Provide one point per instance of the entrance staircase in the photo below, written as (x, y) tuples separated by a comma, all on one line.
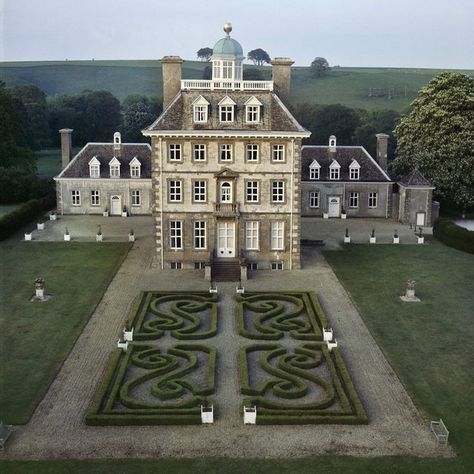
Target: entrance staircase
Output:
[(225, 269)]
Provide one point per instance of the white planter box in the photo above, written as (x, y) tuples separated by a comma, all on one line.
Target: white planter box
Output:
[(105, 213), (325, 215), (240, 290), (122, 345), (131, 237), (250, 415), (213, 289), (347, 240), (395, 240), (328, 334), (67, 237), (28, 236), (128, 335), (207, 414), (40, 225), (331, 345), (99, 237), (372, 240), (421, 240), (124, 214), (343, 216), (52, 217)]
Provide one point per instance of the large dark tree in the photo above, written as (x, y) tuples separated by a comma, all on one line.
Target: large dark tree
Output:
[(139, 111), (259, 57), (204, 54), (319, 67), (437, 136)]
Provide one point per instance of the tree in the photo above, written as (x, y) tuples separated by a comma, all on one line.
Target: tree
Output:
[(204, 54), (319, 67), (259, 57), (252, 74), (437, 137), (138, 112)]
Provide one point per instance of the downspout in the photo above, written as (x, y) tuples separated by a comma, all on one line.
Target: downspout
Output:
[(161, 204), (291, 200), (386, 202)]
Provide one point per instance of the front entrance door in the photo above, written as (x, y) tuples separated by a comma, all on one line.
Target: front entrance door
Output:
[(116, 206), (226, 239), (334, 209)]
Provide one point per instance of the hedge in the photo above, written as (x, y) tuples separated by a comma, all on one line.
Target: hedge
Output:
[(23, 215), (448, 232)]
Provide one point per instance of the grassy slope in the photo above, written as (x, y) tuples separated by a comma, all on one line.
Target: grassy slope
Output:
[(348, 86), (48, 161), (36, 337)]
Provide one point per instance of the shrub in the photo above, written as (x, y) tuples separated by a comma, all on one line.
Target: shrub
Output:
[(15, 220), (19, 186), (446, 231)]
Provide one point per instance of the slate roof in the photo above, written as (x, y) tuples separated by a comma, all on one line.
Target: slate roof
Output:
[(370, 171), (104, 152), (414, 178), (179, 115)]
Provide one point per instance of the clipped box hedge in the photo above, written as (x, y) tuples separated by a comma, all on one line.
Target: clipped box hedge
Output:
[(448, 232)]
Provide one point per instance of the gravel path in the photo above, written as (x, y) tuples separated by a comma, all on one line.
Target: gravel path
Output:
[(57, 428)]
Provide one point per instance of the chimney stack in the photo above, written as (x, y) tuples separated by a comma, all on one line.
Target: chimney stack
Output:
[(66, 146), (281, 76), (382, 147), (171, 68)]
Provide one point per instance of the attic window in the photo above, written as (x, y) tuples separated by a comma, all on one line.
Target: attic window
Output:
[(135, 168), (226, 109), (114, 168), (314, 170), (252, 110), (94, 168), (334, 170), (354, 170), (200, 110)]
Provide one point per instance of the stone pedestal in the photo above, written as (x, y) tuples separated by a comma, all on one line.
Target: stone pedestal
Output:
[(250, 415), (409, 296), (207, 414)]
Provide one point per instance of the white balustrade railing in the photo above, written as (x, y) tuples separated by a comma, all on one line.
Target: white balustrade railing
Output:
[(232, 85)]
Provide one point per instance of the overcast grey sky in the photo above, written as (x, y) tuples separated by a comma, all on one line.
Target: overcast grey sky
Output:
[(399, 33)]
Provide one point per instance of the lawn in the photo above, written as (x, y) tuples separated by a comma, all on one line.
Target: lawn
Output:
[(48, 161), (7, 208), (37, 337)]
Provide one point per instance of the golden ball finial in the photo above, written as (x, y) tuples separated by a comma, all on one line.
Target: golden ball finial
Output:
[(228, 27)]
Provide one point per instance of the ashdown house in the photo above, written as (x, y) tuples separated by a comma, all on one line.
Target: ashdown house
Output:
[(226, 164)]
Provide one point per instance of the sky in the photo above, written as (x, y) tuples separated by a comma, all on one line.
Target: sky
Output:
[(363, 33)]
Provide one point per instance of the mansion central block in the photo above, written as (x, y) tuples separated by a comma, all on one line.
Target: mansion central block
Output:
[(226, 167)]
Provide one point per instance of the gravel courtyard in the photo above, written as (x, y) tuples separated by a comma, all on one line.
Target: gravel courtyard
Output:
[(57, 428)]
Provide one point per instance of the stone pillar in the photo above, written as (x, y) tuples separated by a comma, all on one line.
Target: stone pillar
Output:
[(281, 76), (382, 148), (171, 68), (66, 146)]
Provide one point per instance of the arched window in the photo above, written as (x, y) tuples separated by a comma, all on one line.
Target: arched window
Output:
[(226, 192)]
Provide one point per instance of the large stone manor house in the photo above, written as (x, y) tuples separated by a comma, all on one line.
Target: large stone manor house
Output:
[(226, 177)]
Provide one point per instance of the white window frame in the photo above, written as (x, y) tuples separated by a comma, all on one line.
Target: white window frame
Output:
[(278, 153), (252, 113), (226, 113), (277, 235), (199, 190), (314, 199), (199, 152), (314, 173), (252, 191), (354, 173), (278, 191), (227, 69), (75, 197), (175, 190), (200, 235), (252, 235), (225, 150), (334, 174), (94, 171), (114, 170), (353, 199), (174, 152), (176, 265), (276, 266), (373, 200), (95, 197), (136, 197), (176, 235), (200, 113), (252, 152)]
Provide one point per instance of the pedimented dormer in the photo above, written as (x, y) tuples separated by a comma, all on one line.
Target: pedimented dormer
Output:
[(114, 168), (200, 110), (226, 109), (314, 170), (253, 109), (135, 168), (94, 168), (354, 170), (334, 170)]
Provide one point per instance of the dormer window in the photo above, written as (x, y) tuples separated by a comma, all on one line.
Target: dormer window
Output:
[(252, 110), (314, 170), (226, 109), (114, 167), (354, 170), (135, 168), (200, 110), (334, 170), (94, 168)]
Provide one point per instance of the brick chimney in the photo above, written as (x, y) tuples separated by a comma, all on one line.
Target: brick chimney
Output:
[(382, 147), (171, 68), (66, 146), (281, 76)]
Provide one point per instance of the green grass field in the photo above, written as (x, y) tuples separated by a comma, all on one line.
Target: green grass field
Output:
[(35, 338), (345, 85), (7, 208), (48, 161)]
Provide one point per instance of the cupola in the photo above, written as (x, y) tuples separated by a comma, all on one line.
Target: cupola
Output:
[(227, 57)]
